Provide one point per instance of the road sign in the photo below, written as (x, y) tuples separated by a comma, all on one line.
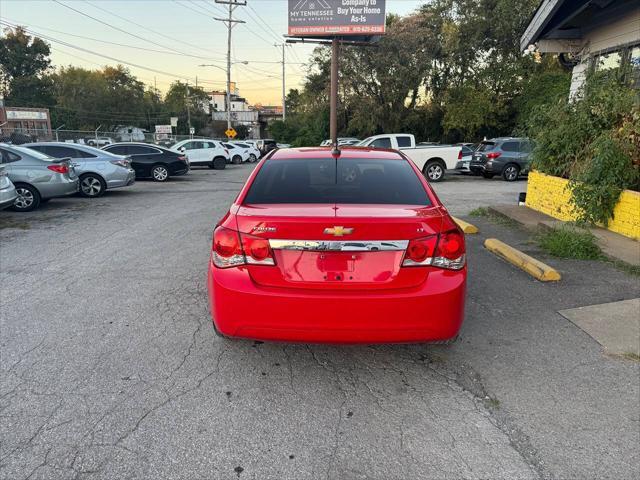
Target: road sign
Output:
[(174, 121), (327, 18), (192, 131), (163, 129), (231, 133)]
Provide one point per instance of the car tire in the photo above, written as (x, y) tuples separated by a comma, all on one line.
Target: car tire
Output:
[(28, 198), (219, 163), (160, 173), (488, 176), (92, 185), (511, 172), (252, 158), (434, 170), (236, 160)]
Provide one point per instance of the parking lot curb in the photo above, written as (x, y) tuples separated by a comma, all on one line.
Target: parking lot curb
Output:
[(533, 267), (466, 226)]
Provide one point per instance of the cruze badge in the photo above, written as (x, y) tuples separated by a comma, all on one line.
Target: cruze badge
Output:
[(264, 229), (338, 231)]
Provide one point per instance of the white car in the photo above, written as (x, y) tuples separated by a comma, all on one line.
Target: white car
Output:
[(100, 142), (237, 154), (207, 152), (254, 153), (432, 160)]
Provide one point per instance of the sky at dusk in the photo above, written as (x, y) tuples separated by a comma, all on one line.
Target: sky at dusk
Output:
[(166, 40)]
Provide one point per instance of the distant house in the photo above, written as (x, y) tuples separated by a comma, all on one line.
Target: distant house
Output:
[(588, 35)]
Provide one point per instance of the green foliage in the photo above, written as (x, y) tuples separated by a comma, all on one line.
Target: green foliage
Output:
[(593, 141), (570, 242), (479, 212), (451, 71), (24, 61)]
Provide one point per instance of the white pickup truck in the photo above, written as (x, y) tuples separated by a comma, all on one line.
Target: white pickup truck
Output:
[(432, 160)]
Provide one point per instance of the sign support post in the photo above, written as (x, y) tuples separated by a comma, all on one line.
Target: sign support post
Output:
[(333, 113), (335, 22)]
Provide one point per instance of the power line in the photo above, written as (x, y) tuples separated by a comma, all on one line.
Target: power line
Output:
[(66, 44), (115, 43), (163, 35)]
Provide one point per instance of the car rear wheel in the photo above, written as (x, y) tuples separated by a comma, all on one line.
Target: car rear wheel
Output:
[(511, 172), (252, 158), (434, 171), (219, 163), (92, 185), (487, 175), (236, 160), (160, 173), (28, 198)]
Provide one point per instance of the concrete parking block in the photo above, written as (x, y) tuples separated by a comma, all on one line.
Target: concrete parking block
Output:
[(533, 267), (615, 326), (466, 226)]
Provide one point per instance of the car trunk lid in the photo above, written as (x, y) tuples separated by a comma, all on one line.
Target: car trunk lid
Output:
[(338, 246)]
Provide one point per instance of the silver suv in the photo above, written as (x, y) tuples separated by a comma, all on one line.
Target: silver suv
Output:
[(37, 177)]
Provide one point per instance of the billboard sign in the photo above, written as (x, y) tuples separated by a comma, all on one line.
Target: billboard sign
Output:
[(163, 129), (327, 18)]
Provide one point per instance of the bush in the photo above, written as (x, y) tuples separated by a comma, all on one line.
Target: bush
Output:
[(593, 141)]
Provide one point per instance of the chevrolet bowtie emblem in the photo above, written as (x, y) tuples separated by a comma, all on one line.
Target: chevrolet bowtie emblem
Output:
[(338, 231)]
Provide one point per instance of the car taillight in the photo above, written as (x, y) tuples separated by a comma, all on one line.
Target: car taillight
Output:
[(450, 252), (124, 163), (493, 155), (257, 250), (460, 155), (420, 251), (446, 250), (59, 168), (231, 249)]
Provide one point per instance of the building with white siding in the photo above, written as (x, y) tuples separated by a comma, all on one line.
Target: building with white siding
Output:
[(588, 35)]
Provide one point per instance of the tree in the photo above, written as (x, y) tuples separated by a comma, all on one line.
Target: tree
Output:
[(176, 101), (24, 61)]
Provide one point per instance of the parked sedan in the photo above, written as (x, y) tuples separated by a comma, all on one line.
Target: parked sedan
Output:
[(506, 156), (151, 161), (37, 177), (211, 153), (8, 192), (358, 250), (98, 170), (467, 151)]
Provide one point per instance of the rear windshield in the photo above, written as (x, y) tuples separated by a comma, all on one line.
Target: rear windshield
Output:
[(486, 146), (349, 180)]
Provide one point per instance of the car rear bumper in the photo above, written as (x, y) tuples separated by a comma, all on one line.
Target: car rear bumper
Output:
[(432, 311), (121, 179), (58, 187)]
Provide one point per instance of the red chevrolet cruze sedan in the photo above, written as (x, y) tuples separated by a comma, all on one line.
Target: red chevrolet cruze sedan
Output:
[(348, 248)]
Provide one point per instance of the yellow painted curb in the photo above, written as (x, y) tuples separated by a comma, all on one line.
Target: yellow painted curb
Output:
[(533, 267), (466, 226)]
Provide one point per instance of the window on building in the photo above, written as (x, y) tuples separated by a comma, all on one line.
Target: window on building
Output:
[(608, 61)]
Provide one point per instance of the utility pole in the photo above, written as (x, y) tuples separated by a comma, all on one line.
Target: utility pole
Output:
[(187, 98), (230, 23), (284, 91)]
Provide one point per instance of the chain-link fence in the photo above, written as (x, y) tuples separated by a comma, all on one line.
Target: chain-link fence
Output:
[(93, 138)]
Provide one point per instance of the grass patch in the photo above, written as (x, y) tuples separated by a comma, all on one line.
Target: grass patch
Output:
[(484, 212), (626, 268), (631, 356), (479, 212), (570, 242)]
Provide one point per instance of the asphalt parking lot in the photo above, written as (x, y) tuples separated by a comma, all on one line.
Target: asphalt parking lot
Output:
[(109, 366)]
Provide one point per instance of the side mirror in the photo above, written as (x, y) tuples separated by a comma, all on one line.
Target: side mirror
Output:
[(182, 149)]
